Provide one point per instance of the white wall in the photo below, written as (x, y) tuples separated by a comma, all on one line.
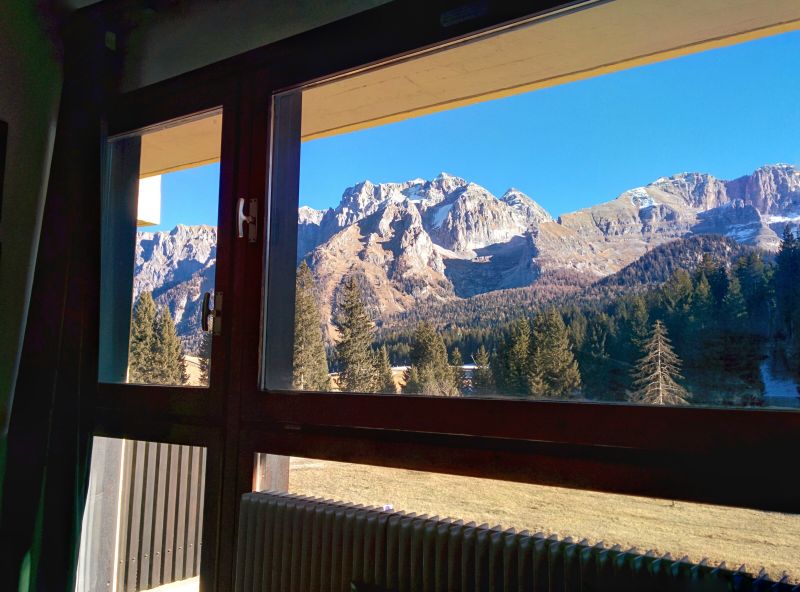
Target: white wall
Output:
[(30, 89)]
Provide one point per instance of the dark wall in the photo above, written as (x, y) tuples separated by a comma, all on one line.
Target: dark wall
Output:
[(30, 88)]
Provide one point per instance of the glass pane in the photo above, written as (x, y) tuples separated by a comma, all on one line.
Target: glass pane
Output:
[(756, 539), (565, 254), (159, 253), (143, 521)]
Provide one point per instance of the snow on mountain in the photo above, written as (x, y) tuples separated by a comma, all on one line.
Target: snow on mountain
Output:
[(419, 240), (307, 215), (640, 198)]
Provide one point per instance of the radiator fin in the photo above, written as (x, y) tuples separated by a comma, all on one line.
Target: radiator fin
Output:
[(291, 543)]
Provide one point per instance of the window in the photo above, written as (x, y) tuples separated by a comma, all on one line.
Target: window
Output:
[(586, 308), (611, 275), (143, 524), (695, 531), (160, 252), (412, 255)]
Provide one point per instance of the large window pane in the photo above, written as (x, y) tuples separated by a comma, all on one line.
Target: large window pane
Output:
[(159, 253), (756, 539), (770, 540), (566, 253)]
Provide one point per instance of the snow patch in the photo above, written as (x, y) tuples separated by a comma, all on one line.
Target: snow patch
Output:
[(441, 214), (792, 217), (741, 232), (640, 198)]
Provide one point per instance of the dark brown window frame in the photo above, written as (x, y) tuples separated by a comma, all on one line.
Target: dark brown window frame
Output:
[(693, 454)]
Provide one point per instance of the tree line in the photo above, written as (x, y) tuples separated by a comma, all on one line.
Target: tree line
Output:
[(698, 336)]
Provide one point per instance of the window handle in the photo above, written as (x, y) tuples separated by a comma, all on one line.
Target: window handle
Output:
[(212, 313), (249, 219)]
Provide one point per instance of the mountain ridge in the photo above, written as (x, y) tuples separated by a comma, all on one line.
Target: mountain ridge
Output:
[(433, 241)]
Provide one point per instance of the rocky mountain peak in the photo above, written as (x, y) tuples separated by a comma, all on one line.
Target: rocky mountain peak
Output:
[(697, 190), (447, 183), (308, 215), (772, 189), (523, 203)]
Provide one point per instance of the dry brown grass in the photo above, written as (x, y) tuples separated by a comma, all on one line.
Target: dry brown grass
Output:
[(735, 536)]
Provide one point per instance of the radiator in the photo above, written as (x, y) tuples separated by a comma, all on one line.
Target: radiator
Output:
[(293, 543)]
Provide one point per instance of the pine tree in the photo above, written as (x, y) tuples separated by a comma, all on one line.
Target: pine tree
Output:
[(511, 365), (354, 350), (702, 302), (429, 373), (383, 372), (170, 363), (787, 283), (754, 279), (595, 361), (141, 360), (554, 371), (734, 308), (457, 363), (205, 358), (657, 372), (309, 361), (482, 380)]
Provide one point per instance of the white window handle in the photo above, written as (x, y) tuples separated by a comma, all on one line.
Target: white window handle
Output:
[(250, 219)]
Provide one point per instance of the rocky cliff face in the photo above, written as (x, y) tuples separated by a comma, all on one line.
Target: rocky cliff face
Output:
[(460, 240), (178, 268), (431, 241)]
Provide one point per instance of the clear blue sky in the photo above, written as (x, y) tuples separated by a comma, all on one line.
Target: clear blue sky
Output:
[(189, 197), (724, 112)]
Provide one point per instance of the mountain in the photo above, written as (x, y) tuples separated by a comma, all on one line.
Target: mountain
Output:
[(178, 268), (569, 288), (430, 243)]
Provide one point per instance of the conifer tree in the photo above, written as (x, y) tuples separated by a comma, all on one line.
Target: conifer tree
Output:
[(482, 380), (141, 361), (429, 373), (734, 308), (170, 363), (309, 361), (787, 283), (657, 372), (595, 360), (511, 366), (702, 302), (205, 358), (457, 363), (754, 278), (354, 350), (383, 372), (554, 371)]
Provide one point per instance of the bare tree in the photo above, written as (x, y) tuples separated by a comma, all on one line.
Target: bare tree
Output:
[(657, 372)]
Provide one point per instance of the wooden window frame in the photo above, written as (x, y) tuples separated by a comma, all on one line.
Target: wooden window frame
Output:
[(709, 455)]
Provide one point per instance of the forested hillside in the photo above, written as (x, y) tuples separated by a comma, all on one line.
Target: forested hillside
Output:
[(719, 308)]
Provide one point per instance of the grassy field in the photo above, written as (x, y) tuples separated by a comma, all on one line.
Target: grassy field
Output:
[(735, 536)]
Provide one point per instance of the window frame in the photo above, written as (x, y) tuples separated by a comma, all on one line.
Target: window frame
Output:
[(684, 453), (690, 453), (135, 112)]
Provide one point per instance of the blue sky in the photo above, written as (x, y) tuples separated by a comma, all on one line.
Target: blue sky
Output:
[(725, 112)]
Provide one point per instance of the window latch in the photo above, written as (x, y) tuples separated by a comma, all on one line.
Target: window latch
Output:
[(249, 219), (215, 313)]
